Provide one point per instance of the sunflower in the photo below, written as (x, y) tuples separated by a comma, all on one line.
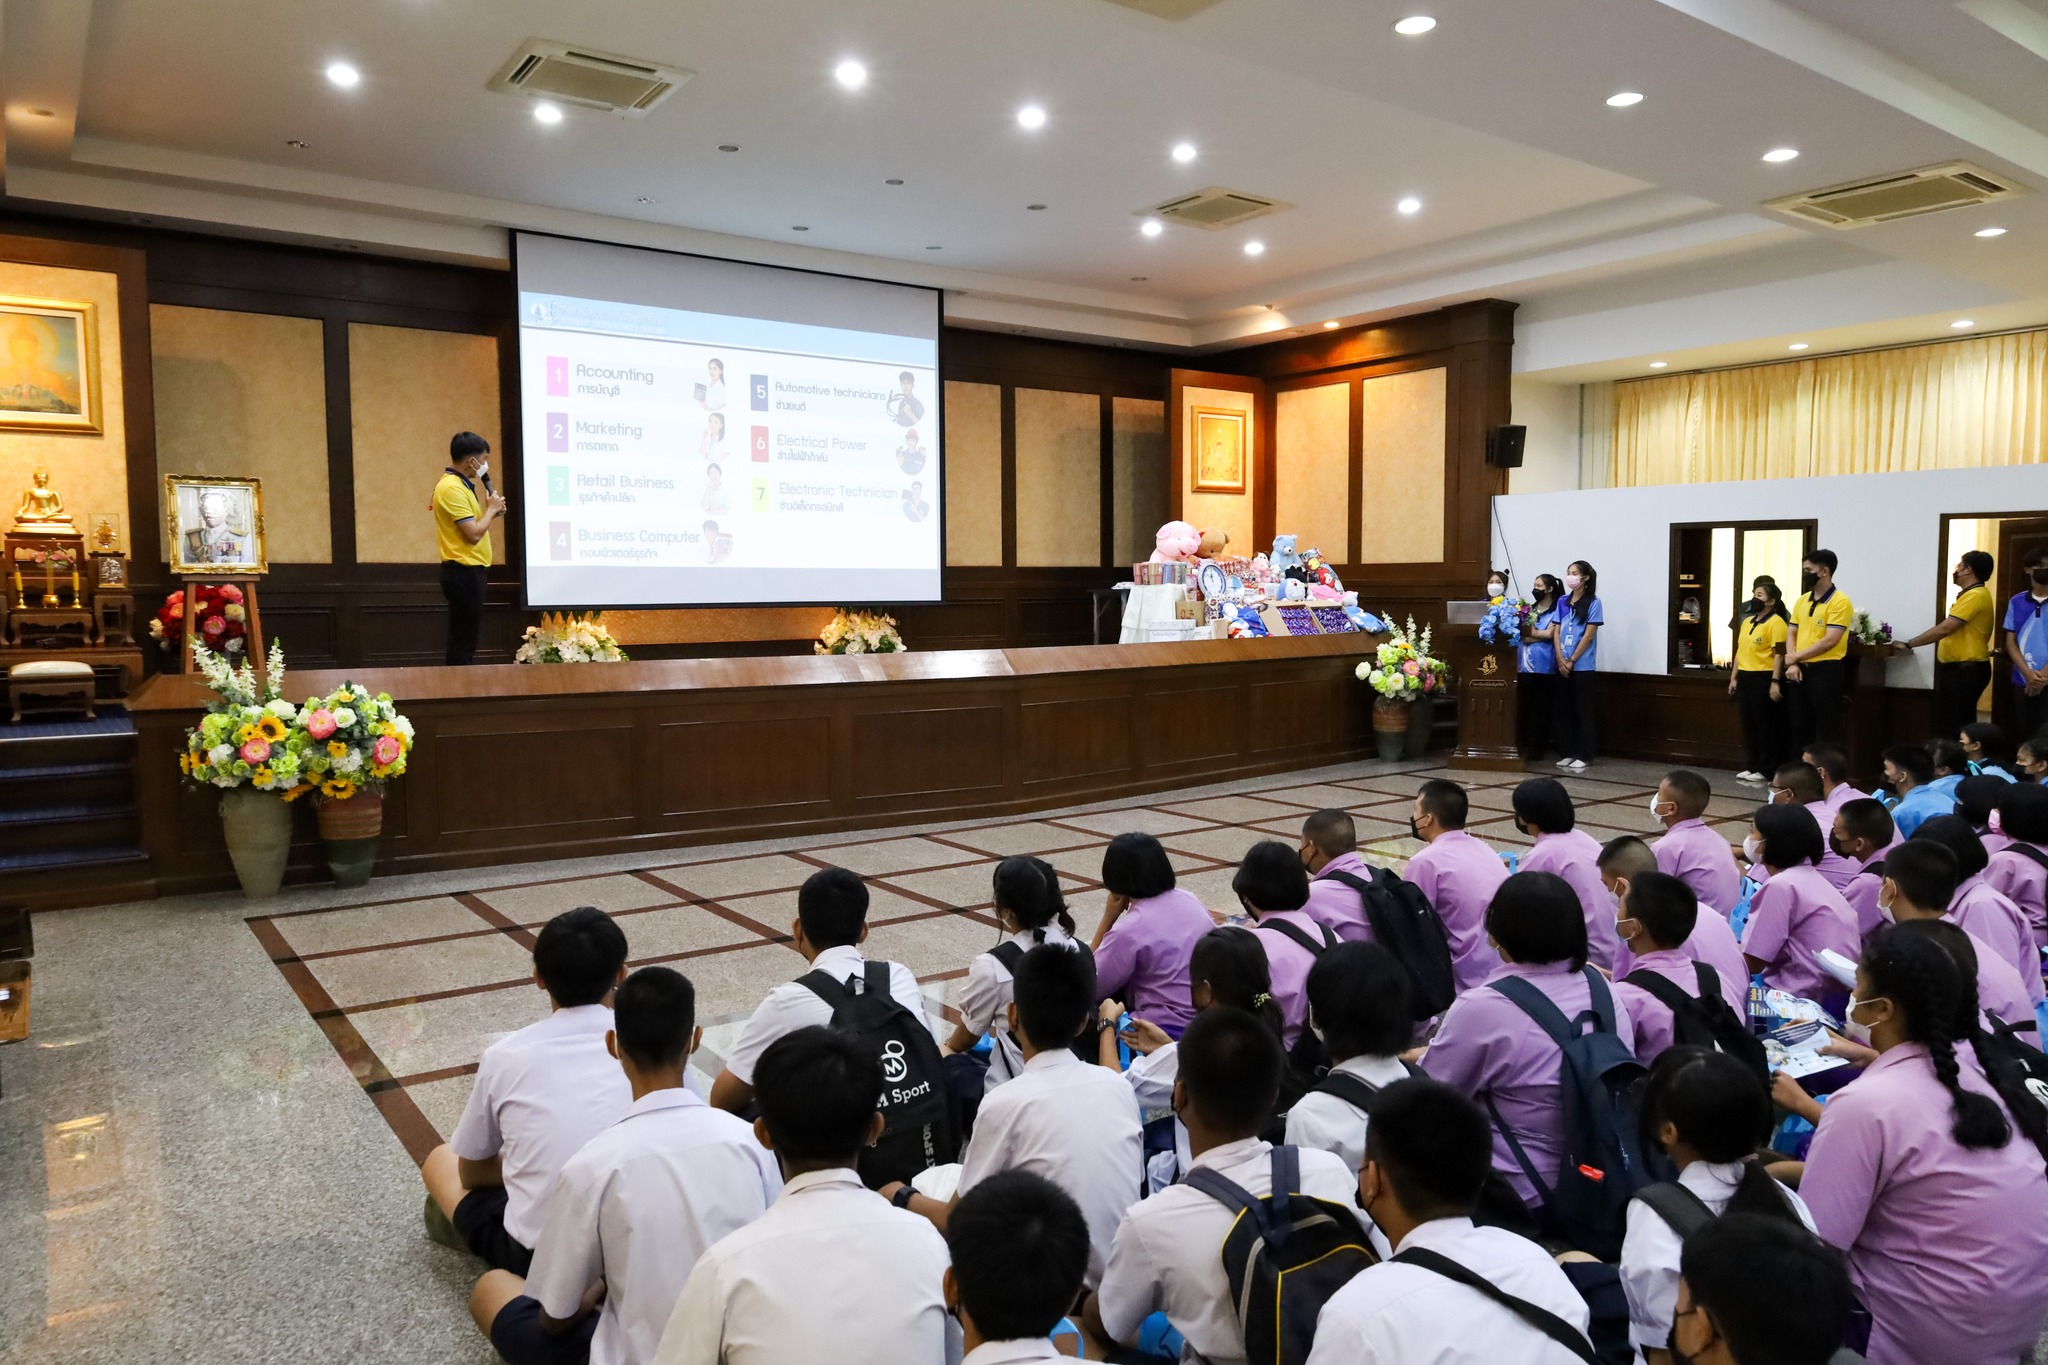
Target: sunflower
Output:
[(245, 734), (341, 788), (336, 749), (272, 729), (185, 764)]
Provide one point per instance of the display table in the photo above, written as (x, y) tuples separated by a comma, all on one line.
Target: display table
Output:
[(1146, 604), (1483, 681)]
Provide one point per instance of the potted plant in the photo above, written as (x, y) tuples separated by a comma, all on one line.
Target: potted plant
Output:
[(859, 632), (350, 744), (241, 747), (564, 637), (1404, 678)]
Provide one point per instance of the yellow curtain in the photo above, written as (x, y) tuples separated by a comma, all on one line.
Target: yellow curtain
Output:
[(1960, 404)]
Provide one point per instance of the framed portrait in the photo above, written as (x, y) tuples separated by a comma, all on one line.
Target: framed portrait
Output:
[(49, 365), (216, 525), (1218, 453)]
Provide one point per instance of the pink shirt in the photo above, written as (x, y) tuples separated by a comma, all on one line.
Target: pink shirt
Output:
[(1575, 856), (1999, 990), (1947, 1247), (1333, 903), (1993, 841), (1833, 802), (1459, 874), (1861, 893), (1288, 964), (2024, 882), (1651, 1017), (1488, 1048), (1713, 943), (1143, 960), (1791, 918), (1986, 915), (1838, 870), (1704, 861)]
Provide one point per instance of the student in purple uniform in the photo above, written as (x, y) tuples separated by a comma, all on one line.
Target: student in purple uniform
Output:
[(1272, 887), (1624, 859), (1691, 851), (1796, 913), (1983, 913), (1544, 809), (1329, 851), (1861, 833), (1149, 926), (1458, 873), (1655, 918), (2020, 869), (1917, 1172), (1798, 784), (1831, 761), (1920, 878)]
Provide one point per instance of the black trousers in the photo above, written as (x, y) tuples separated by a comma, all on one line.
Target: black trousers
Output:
[(2029, 715), (1763, 720), (1537, 700), (1956, 689), (463, 586), (1576, 697), (1817, 703)]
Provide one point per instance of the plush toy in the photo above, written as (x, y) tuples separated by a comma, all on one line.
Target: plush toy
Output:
[(1242, 622), (1360, 617), (1213, 543), (1323, 592), (1319, 571), (1175, 543), (1283, 557), (1260, 570)]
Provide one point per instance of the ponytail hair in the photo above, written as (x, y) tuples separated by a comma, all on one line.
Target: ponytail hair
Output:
[(1926, 985), (1028, 890), (1722, 1111), (1055, 900), (1233, 962), (2005, 1076)]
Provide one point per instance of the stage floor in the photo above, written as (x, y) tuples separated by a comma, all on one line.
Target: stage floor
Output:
[(212, 1099)]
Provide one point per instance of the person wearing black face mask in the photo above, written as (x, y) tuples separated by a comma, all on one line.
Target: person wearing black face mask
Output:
[(2026, 644), (1536, 667), (1816, 654), (1753, 1289), (1962, 645)]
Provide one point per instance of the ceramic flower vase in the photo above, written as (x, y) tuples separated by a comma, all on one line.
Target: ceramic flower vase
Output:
[(1390, 727), (258, 829), (348, 832), (1421, 720)]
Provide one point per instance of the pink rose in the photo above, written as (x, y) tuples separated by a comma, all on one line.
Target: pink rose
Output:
[(229, 593), (214, 626), (320, 724), (255, 751), (1412, 668), (386, 750)]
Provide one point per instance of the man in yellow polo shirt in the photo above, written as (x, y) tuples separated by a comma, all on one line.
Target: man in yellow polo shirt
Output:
[(463, 518), (1816, 655), (1962, 656)]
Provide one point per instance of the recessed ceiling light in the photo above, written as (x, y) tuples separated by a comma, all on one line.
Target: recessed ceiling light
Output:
[(1036, 208), (728, 146), (1184, 152), (1777, 154), (1623, 99), (1031, 116), (1414, 25), (1151, 227), (1989, 232), (850, 74), (1330, 326), (547, 113), (1659, 364), (1960, 323), (40, 112), (935, 248), (799, 227), (892, 182), (1409, 205), (1139, 279), (1254, 248), (343, 75), (1796, 346)]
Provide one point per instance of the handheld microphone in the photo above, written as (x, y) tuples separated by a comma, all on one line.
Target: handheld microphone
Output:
[(486, 478)]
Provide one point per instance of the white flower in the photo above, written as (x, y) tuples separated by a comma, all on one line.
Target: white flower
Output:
[(225, 780), (348, 762), (282, 709), (220, 753)]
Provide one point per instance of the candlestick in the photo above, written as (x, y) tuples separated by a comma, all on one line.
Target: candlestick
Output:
[(20, 593)]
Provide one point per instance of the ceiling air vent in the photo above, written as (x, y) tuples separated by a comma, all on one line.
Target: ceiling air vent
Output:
[(625, 86), (1172, 10), (1213, 208), (1887, 198)]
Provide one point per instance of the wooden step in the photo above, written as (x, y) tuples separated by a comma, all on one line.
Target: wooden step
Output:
[(42, 786), (52, 880), (82, 824)]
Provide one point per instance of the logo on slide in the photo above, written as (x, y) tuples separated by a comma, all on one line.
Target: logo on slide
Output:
[(760, 445), (558, 485), (558, 431), (558, 541), (558, 376), (758, 389)]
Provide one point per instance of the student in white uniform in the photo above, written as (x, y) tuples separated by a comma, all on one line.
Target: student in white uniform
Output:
[(1358, 1005), (1075, 1124), (540, 1094), (1426, 1158), (831, 921), (1758, 1291), (1167, 1254), (1030, 909), (1019, 1246), (1710, 1115), (830, 1272), (637, 1206)]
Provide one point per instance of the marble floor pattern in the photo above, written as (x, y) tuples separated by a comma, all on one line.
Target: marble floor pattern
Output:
[(209, 1139)]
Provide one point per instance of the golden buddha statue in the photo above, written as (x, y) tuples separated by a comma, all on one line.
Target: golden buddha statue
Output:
[(41, 509)]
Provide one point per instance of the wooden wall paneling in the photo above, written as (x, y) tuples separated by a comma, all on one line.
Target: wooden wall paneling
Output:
[(720, 764), (1290, 713), (341, 469), (1106, 449), (1181, 729), (494, 781), (1354, 512), (1074, 734), (949, 745)]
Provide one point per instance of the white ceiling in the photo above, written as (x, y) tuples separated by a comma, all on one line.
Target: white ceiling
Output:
[(1626, 234)]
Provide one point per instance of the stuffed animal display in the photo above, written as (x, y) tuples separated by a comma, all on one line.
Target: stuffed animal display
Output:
[(1176, 543)]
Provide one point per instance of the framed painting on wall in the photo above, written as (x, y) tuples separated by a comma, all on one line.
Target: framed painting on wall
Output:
[(216, 525), (49, 365), (1218, 453)]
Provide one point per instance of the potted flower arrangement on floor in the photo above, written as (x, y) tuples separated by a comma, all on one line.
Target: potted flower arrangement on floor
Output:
[(859, 632), (564, 637), (1404, 677), (350, 745), (241, 746)]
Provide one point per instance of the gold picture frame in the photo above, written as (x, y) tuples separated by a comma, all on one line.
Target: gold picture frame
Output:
[(1217, 452), (49, 365), (215, 526)]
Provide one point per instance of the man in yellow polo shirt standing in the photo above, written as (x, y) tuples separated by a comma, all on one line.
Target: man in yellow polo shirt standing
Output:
[(1816, 655), (1962, 658), (462, 524)]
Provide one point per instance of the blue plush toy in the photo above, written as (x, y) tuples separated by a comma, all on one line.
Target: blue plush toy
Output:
[(1283, 557)]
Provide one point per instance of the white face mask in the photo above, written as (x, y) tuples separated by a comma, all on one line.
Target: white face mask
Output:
[(1993, 824), (1753, 848), (1496, 589), (1572, 582), (1884, 907), (1859, 1033), (1656, 809)]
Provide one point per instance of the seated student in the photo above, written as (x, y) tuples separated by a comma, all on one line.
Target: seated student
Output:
[(1425, 1164), (1710, 1115), (1909, 772), (1493, 1051), (1019, 1247), (1329, 850), (1988, 917), (1458, 873), (1988, 750), (831, 922), (1029, 907), (1919, 882), (1712, 941), (1798, 784), (1795, 913), (830, 1271), (1951, 762), (2019, 870), (1758, 1291), (635, 1208), (1148, 928), (1075, 1124), (1861, 834), (1977, 802), (1655, 919), (1544, 808), (2030, 759), (1358, 1002), (1166, 1257), (1831, 761), (1272, 887), (540, 1094), (1690, 850), (1916, 1173)]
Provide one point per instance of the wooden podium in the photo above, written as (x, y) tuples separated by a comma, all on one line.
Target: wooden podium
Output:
[(1483, 680)]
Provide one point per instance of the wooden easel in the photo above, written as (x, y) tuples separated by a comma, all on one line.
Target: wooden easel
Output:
[(253, 637)]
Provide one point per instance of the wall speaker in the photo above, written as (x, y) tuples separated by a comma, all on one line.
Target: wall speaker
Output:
[(1504, 447)]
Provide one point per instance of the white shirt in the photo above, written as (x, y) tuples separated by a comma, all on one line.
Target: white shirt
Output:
[(1076, 1125), (1151, 1077), (714, 499), (1337, 1126), (985, 999), (1167, 1255), (637, 1207), (540, 1094), (714, 394), (1394, 1314), (830, 1273), (793, 1005), (1013, 1352), (1649, 1251)]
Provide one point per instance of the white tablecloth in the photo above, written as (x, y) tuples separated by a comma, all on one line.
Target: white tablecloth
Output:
[(1148, 602)]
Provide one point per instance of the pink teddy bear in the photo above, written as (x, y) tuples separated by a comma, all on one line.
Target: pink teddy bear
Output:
[(1175, 543)]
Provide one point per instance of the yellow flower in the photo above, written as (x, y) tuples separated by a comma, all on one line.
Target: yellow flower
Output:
[(344, 696), (185, 764), (271, 728), (245, 734), (296, 792), (336, 749), (262, 776), (341, 788)]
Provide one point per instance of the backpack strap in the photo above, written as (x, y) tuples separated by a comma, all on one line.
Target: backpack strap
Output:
[(1295, 932), (1539, 1007), (1664, 990), (1350, 879), (2029, 852), (1542, 1319), (1359, 1094), (1009, 954), (828, 988), (1682, 1211), (1709, 979)]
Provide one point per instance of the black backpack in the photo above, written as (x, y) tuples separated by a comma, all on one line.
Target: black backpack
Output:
[(1084, 1045), (2001, 1048), (1540, 1318), (1306, 1060), (1285, 1255), (920, 1129), (1408, 926), (1705, 1020), (1599, 1086)]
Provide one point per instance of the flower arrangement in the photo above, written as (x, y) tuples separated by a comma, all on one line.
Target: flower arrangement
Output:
[(565, 637), (859, 632), (1403, 669), (1502, 624), (348, 741), (1866, 632), (245, 737), (220, 613)]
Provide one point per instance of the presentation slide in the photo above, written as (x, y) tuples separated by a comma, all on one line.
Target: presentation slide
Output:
[(698, 431)]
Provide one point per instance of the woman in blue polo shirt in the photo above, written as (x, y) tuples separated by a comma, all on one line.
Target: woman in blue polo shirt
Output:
[(2026, 644), (1536, 663), (1578, 623)]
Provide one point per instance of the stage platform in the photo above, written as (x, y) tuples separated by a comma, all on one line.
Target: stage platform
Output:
[(516, 763)]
